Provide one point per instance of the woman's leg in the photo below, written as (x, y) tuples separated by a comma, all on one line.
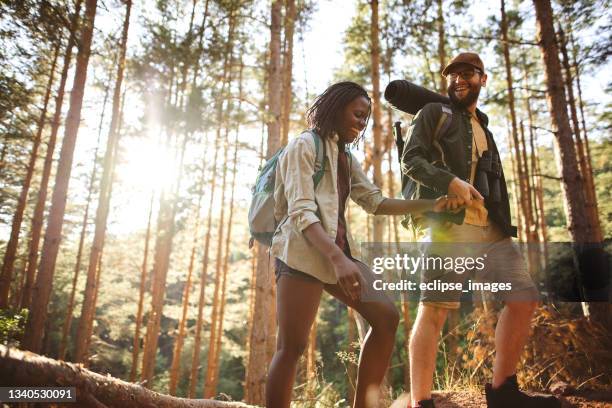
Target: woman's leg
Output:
[(297, 301), (378, 344)]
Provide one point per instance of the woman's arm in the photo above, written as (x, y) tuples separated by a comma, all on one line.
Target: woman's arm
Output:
[(394, 206), (347, 272)]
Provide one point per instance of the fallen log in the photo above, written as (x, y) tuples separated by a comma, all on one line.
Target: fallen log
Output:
[(24, 369)]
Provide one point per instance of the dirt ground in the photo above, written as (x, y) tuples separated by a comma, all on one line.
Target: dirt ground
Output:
[(471, 399)]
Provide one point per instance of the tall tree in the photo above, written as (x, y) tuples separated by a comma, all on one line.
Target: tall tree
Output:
[(141, 293), (44, 282), (180, 336), (77, 265), (377, 153), (571, 181), (287, 94), (583, 160), (262, 335), (106, 188), (11, 246), (441, 46), (521, 165), (41, 199)]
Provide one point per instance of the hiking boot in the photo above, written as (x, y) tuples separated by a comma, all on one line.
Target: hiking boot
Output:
[(509, 396), (425, 404)]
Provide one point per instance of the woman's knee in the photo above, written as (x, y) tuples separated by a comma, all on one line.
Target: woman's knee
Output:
[(387, 318), (292, 348)]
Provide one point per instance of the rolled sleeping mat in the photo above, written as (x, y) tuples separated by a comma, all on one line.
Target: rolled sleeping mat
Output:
[(411, 98)]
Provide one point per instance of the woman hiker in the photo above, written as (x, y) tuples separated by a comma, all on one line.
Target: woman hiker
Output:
[(311, 245)]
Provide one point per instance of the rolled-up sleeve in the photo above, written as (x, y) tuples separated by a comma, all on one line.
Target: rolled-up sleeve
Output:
[(363, 191), (297, 168)]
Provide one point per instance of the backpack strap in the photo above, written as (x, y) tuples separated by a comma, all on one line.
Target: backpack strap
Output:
[(320, 158), (442, 127)]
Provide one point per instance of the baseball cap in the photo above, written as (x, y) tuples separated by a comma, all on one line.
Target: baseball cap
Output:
[(469, 58)]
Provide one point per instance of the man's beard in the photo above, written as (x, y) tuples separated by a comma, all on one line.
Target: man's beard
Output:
[(467, 100)]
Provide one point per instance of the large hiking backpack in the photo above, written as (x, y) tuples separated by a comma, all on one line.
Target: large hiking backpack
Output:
[(262, 224)]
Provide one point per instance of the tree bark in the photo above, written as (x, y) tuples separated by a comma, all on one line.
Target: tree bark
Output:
[(10, 253), (441, 47), (287, 92), (180, 336), (378, 229), (215, 366), (585, 170), (556, 98), (39, 209), (106, 187), (572, 183), (209, 382), (262, 334), (77, 266), (521, 166), (195, 361), (141, 292), (25, 369), (44, 281)]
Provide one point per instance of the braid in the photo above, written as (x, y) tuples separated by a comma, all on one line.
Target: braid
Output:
[(322, 115)]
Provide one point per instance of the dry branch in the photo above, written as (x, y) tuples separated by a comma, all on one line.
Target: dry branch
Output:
[(25, 369)]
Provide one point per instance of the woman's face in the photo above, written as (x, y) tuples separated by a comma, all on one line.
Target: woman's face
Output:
[(353, 120)]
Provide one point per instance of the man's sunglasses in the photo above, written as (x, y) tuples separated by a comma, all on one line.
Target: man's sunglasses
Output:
[(466, 75)]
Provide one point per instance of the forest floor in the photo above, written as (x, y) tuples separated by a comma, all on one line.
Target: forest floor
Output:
[(474, 399)]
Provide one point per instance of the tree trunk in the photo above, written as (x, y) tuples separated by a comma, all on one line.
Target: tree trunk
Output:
[(521, 166), (584, 127), (571, 180), (287, 92), (214, 321), (77, 265), (262, 335), (376, 113), (250, 315), (44, 281), (143, 279), (215, 366), (195, 362), (572, 184), (25, 369), (39, 209), (441, 47), (585, 170), (180, 336), (11, 246), (311, 361), (106, 187)]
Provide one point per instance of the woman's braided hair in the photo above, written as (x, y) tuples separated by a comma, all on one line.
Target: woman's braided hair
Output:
[(323, 115)]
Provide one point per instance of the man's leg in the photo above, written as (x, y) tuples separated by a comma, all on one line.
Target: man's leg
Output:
[(423, 348), (510, 337)]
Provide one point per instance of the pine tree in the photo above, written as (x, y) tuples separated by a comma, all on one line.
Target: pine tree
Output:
[(42, 290)]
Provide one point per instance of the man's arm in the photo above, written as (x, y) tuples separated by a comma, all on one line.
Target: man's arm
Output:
[(418, 152)]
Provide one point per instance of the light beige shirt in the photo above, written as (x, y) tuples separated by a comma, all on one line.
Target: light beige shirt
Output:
[(297, 201), (476, 214)]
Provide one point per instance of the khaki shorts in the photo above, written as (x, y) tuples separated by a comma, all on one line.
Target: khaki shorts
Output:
[(503, 264)]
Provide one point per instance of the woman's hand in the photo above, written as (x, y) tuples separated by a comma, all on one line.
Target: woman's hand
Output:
[(349, 276)]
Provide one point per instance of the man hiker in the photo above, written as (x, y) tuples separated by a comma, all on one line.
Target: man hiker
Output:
[(450, 151)]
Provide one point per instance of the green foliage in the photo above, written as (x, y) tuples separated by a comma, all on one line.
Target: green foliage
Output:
[(12, 325)]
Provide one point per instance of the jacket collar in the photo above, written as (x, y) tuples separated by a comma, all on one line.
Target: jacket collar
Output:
[(482, 117)]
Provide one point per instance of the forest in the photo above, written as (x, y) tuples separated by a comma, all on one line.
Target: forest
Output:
[(131, 134)]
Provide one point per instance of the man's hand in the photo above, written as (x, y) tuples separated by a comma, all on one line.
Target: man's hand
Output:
[(349, 276), (446, 203), (465, 191)]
